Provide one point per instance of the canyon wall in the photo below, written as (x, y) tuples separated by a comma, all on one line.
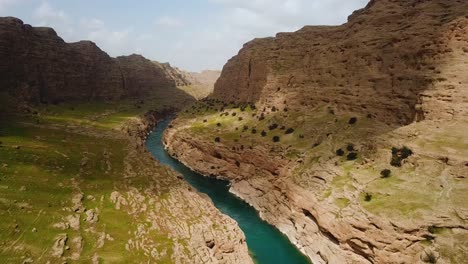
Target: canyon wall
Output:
[(382, 62), (393, 76), (38, 66)]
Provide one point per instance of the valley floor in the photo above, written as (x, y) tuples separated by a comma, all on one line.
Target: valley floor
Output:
[(78, 185)]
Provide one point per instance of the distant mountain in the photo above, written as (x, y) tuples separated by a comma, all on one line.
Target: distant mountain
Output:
[(36, 65)]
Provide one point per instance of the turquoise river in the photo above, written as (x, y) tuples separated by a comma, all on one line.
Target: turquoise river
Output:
[(266, 244)]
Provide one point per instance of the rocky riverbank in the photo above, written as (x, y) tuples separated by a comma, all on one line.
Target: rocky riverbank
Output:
[(350, 139)]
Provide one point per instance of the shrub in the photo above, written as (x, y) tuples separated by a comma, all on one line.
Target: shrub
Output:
[(273, 109), (289, 131), (264, 134), (219, 124), (352, 120), (254, 131), (398, 155), (301, 136), (273, 126), (352, 156), (276, 139), (246, 128), (204, 121), (237, 163), (285, 109), (339, 152), (217, 139), (367, 197), (253, 107), (350, 147), (234, 114), (240, 118), (385, 173)]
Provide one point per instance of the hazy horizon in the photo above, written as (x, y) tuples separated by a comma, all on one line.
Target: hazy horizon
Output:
[(194, 36)]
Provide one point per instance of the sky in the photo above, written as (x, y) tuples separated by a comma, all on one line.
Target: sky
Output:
[(193, 35)]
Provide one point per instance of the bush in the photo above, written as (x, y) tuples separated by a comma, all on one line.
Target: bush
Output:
[(254, 131), (352, 156), (264, 134), (350, 147), (204, 121), (217, 139), (352, 120), (289, 131), (240, 118), (273, 126), (219, 124), (367, 197), (237, 163), (234, 114), (339, 152), (385, 173), (398, 155), (246, 128), (276, 139)]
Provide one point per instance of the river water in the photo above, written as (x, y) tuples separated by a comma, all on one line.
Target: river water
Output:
[(266, 244)]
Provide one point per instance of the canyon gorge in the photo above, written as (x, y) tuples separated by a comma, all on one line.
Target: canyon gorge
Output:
[(351, 140)]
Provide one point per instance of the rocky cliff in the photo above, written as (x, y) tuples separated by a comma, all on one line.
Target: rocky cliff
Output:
[(386, 61), (350, 139), (38, 66)]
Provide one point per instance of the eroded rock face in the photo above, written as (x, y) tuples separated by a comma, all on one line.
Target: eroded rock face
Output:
[(38, 66), (394, 60)]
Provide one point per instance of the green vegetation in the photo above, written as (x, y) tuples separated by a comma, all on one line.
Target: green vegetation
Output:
[(367, 197), (398, 155), (385, 173), (78, 150)]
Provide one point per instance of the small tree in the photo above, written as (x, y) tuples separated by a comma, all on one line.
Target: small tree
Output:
[(352, 156), (352, 120), (367, 197), (273, 126), (289, 131), (217, 139), (218, 124), (339, 152), (276, 139), (254, 131), (385, 173), (264, 134), (350, 147)]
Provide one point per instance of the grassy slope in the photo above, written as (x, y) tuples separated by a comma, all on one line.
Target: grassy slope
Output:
[(47, 159), (420, 191)]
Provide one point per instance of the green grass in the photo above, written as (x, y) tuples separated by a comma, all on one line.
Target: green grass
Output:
[(40, 171)]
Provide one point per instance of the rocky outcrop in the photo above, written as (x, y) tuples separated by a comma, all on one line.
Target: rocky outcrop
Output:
[(38, 66), (395, 60)]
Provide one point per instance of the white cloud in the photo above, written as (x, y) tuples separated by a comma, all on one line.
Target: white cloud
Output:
[(205, 38), (47, 14), (5, 5), (169, 21)]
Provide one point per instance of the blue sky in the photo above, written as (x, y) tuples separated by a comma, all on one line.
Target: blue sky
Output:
[(193, 35)]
